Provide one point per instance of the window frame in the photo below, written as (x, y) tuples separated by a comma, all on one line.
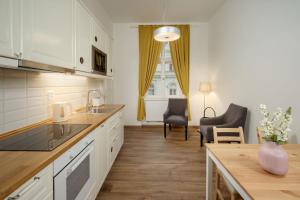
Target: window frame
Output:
[(162, 81)]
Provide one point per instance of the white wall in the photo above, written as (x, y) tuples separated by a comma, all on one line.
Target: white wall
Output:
[(126, 61), (254, 49)]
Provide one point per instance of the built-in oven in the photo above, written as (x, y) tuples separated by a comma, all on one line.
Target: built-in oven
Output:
[(99, 61), (75, 172)]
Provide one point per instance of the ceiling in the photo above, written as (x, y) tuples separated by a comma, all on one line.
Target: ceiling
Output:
[(146, 11)]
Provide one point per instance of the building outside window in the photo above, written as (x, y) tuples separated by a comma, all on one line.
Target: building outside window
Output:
[(151, 90), (164, 83), (172, 88)]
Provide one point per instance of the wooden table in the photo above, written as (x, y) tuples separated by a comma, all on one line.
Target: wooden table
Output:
[(239, 164)]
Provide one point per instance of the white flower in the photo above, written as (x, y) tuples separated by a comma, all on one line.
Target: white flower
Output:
[(276, 125)]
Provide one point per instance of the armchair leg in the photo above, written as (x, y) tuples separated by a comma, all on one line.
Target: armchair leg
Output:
[(165, 130), (186, 132), (170, 126), (201, 139)]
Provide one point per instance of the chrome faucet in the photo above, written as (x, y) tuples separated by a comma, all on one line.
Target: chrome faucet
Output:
[(89, 104)]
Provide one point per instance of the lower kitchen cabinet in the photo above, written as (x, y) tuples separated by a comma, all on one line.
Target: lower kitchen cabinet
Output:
[(108, 142), (101, 156), (39, 187), (90, 160)]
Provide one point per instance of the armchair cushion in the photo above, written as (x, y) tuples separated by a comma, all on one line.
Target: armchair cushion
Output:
[(176, 119)]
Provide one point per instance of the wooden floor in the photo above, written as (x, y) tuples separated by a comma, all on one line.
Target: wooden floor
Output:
[(150, 167)]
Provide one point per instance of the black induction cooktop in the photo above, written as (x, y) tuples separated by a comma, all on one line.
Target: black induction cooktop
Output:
[(43, 138)]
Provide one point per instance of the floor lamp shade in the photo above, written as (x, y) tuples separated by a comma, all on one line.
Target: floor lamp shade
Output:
[(205, 87)]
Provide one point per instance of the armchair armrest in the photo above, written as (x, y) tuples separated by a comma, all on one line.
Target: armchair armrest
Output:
[(166, 114), (212, 120)]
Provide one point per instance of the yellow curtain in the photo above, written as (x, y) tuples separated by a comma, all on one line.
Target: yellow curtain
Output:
[(180, 53), (149, 50)]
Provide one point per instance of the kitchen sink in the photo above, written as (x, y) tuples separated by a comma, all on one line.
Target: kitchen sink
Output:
[(98, 110)]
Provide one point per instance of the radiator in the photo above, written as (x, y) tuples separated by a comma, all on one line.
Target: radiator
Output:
[(155, 109)]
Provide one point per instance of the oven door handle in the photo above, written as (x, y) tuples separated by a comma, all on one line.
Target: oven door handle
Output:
[(80, 159)]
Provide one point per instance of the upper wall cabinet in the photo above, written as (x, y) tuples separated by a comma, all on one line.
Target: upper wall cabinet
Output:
[(10, 28), (49, 32), (83, 39), (98, 36), (109, 56)]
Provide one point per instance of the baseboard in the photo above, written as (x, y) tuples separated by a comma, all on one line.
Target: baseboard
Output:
[(154, 126)]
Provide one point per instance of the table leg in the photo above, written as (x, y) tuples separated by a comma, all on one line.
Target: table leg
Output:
[(209, 176)]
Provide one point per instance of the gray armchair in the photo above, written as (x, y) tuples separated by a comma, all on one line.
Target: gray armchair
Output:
[(177, 114), (234, 117)]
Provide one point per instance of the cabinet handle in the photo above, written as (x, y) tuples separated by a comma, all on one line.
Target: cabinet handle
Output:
[(13, 198), (18, 54), (81, 60), (35, 179), (96, 39), (111, 149), (110, 70)]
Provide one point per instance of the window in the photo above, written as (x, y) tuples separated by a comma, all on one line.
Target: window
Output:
[(172, 88), (151, 90), (164, 83)]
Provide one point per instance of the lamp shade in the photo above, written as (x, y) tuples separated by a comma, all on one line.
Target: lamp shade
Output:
[(205, 87), (167, 34)]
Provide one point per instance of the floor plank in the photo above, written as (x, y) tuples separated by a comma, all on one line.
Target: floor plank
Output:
[(149, 167)]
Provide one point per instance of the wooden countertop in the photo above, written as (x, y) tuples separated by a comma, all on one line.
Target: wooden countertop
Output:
[(16, 167), (240, 160)]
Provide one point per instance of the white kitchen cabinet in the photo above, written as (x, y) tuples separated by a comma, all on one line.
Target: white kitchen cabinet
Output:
[(49, 32), (39, 187), (10, 28), (98, 36), (116, 137), (108, 142), (109, 56), (101, 143), (83, 39)]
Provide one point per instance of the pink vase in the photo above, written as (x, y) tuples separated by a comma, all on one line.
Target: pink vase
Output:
[(273, 158)]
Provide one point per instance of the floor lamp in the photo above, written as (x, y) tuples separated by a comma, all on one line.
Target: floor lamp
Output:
[(205, 88)]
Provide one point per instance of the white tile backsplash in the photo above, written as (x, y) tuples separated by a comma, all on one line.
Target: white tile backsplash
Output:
[(16, 115), (1, 119), (1, 93), (36, 111), (36, 92), (15, 104), (36, 101), (14, 82), (14, 93), (24, 95), (1, 106), (14, 125)]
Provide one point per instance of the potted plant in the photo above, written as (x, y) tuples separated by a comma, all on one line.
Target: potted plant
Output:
[(275, 127)]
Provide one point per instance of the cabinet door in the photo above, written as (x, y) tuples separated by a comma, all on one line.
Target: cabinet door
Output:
[(101, 155), (39, 187), (97, 36), (10, 28), (83, 39), (109, 57), (49, 32)]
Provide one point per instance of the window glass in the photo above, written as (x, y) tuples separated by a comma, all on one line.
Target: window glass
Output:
[(164, 83)]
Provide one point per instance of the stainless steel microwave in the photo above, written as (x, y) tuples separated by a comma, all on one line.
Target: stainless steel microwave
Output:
[(99, 61)]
